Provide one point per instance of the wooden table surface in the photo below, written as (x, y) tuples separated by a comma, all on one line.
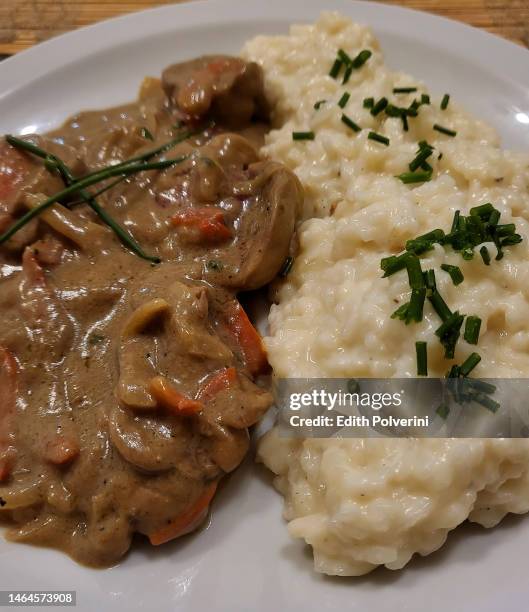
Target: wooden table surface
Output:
[(24, 23)]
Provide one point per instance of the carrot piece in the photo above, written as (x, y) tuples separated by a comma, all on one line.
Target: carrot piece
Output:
[(8, 396), (61, 450), (170, 399), (218, 382), (185, 522), (208, 221), (248, 339)]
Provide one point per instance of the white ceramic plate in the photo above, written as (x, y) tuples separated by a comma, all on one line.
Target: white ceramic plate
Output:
[(244, 561)]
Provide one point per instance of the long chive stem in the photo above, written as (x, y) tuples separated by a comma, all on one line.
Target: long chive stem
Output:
[(87, 181)]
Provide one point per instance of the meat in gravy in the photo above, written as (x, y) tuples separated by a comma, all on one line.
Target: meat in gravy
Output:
[(127, 387)]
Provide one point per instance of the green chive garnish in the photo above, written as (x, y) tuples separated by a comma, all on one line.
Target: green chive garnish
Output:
[(470, 363), (416, 305), (472, 327), (448, 333), (344, 99), (425, 99), (303, 135), (422, 358), (318, 104), (342, 55), (455, 273), (404, 90), (401, 312), (378, 138), (414, 177), (413, 267), (393, 263), (379, 106), (350, 123), (439, 305), (423, 154), (485, 255), (487, 402), (445, 101), (444, 130), (369, 102), (336, 67), (483, 211), (361, 58)]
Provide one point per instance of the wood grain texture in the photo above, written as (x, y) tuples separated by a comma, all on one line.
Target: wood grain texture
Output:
[(24, 23)]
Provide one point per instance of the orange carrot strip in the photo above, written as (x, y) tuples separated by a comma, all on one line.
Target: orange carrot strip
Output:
[(8, 396), (170, 399), (207, 220), (61, 450), (184, 523), (218, 382), (249, 340)]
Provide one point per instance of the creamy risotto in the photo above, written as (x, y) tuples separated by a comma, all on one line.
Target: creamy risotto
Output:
[(363, 503)]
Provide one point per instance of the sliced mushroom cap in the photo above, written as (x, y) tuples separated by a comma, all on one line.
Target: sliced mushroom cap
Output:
[(268, 226), (227, 88)]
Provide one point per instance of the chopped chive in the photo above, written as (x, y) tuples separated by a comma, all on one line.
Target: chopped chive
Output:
[(422, 358), (445, 101), (448, 333), (415, 308), (378, 138), (444, 130), (511, 240), (485, 255), (379, 106), (455, 222), (455, 273), (506, 229), (319, 104), (472, 327), (303, 135), (347, 74), (353, 386), (393, 263), (425, 99), (350, 123), (145, 133), (342, 55), (413, 267), (361, 58), (470, 363), (447, 326), (425, 242), (429, 280), (344, 99), (439, 305), (336, 67), (286, 267), (369, 102), (487, 402), (453, 372), (394, 111), (426, 167), (401, 312), (440, 156), (404, 90), (414, 177), (494, 217), (483, 211), (443, 411), (424, 153)]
